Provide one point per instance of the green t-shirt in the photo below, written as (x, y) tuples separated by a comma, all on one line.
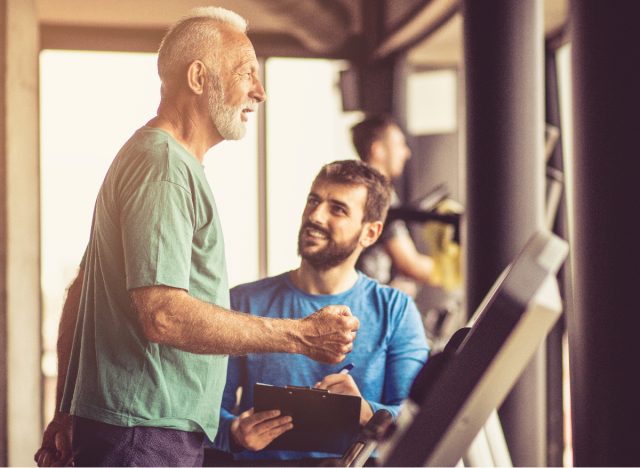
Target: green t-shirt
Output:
[(155, 223)]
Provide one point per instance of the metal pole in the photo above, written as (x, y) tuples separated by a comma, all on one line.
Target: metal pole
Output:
[(603, 327), (504, 68)]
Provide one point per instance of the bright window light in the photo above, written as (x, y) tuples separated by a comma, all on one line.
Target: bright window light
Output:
[(91, 102), (432, 102), (306, 128)]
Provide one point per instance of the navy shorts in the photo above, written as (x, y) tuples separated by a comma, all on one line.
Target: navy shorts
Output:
[(100, 444)]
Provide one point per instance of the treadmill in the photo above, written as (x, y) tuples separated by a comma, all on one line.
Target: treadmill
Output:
[(458, 389)]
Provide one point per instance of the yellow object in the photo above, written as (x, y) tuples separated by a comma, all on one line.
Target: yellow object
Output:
[(443, 249)]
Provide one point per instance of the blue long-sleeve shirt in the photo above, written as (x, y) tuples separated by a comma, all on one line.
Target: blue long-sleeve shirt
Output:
[(389, 350)]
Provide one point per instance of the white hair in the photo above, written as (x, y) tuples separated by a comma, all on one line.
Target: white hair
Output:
[(195, 36), (220, 14)]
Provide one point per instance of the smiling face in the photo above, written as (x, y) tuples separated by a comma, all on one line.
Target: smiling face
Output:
[(332, 230), (236, 89)]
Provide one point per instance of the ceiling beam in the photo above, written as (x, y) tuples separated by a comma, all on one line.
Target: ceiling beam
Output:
[(417, 26), (116, 39)]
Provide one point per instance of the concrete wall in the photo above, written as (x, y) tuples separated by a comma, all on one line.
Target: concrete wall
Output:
[(20, 379)]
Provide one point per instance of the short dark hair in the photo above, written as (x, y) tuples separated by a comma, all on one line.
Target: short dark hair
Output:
[(358, 173), (367, 132)]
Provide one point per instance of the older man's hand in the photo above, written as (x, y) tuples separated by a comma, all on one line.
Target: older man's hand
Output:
[(327, 335), (56, 443)]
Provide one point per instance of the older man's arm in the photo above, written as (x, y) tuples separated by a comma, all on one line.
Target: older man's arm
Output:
[(56, 441), (171, 316)]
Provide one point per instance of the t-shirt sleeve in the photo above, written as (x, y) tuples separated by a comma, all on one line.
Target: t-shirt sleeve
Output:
[(408, 351), (157, 234), (396, 228), (83, 261)]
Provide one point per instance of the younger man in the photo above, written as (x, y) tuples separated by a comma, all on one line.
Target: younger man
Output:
[(344, 214)]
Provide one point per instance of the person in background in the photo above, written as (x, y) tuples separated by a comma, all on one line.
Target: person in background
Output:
[(146, 326), (344, 214), (380, 142)]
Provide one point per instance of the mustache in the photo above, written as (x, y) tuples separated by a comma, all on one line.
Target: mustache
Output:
[(251, 105), (311, 225)]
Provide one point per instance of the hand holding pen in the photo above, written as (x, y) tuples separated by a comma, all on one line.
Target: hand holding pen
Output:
[(338, 383), (342, 382), (332, 381), (346, 369)]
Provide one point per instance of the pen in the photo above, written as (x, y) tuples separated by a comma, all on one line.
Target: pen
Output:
[(346, 369)]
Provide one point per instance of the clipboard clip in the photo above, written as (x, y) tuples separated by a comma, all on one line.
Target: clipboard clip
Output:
[(296, 387)]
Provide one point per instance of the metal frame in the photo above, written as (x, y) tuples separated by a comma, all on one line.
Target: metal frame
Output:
[(508, 327)]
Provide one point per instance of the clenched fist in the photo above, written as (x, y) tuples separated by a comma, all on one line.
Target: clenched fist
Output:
[(328, 334)]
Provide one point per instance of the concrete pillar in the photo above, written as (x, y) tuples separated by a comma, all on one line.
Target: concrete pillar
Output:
[(20, 376), (504, 69), (605, 238), (376, 78)]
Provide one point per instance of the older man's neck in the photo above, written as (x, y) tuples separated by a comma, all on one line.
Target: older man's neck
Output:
[(334, 280), (195, 133)]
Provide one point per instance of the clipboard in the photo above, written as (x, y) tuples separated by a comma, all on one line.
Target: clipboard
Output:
[(322, 421)]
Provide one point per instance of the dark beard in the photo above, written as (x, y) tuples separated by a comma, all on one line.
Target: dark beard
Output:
[(330, 256)]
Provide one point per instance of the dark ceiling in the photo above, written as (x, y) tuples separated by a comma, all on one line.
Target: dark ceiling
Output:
[(430, 30)]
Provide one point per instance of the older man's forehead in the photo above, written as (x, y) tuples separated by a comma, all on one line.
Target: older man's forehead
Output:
[(238, 49), (247, 55)]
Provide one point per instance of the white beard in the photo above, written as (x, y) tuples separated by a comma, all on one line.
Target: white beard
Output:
[(226, 119)]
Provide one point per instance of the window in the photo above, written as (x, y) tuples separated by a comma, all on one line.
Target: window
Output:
[(437, 88), (306, 129)]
